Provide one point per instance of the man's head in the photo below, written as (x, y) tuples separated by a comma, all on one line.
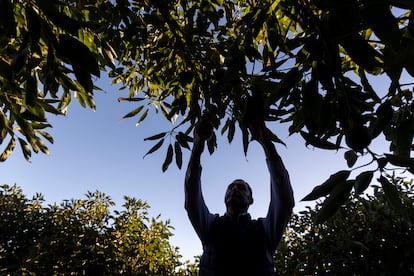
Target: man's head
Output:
[(238, 196)]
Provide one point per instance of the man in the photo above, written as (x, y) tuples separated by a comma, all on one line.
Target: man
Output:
[(234, 244)]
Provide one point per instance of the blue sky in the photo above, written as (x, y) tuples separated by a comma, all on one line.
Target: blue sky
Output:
[(99, 151)]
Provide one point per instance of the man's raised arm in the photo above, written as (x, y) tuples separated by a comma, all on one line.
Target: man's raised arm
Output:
[(197, 211), (281, 193)]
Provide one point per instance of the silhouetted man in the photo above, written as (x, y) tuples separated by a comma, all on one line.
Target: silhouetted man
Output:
[(235, 244)]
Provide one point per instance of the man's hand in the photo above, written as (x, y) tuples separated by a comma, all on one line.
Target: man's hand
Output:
[(203, 129), (259, 131)]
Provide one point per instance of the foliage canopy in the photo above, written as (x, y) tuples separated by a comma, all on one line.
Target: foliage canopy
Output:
[(308, 64)]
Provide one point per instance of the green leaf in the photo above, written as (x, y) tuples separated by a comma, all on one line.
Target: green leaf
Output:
[(155, 147), (326, 187), (47, 136), (351, 157), (27, 153), (133, 112), (35, 113), (391, 192), (142, 118), (339, 195), (362, 181), (8, 150), (168, 158), (178, 155), (78, 54)]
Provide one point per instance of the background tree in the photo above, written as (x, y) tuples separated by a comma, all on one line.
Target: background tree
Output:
[(84, 237), (309, 64), (368, 236)]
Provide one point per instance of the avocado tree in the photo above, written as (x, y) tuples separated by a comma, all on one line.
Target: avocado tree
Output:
[(307, 64), (367, 236), (84, 237)]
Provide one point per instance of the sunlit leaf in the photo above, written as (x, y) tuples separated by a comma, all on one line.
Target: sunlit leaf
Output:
[(27, 153), (8, 150), (142, 118)]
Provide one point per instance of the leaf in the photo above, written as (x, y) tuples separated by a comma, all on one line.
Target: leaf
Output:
[(232, 130), (404, 137), (276, 139), (384, 116), (155, 137), (178, 155), (121, 99), (25, 149), (362, 181), (133, 112), (361, 52), (168, 158), (142, 118), (7, 21), (404, 4), (391, 192), (8, 150), (318, 142), (400, 161), (212, 143), (35, 113), (245, 137), (47, 136), (183, 140), (326, 187), (351, 157), (380, 19), (155, 147), (338, 196), (83, 77), (5, 69), (78, 54), (63, 21)]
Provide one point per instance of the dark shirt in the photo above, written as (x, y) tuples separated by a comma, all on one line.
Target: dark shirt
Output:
[(221, 237)]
